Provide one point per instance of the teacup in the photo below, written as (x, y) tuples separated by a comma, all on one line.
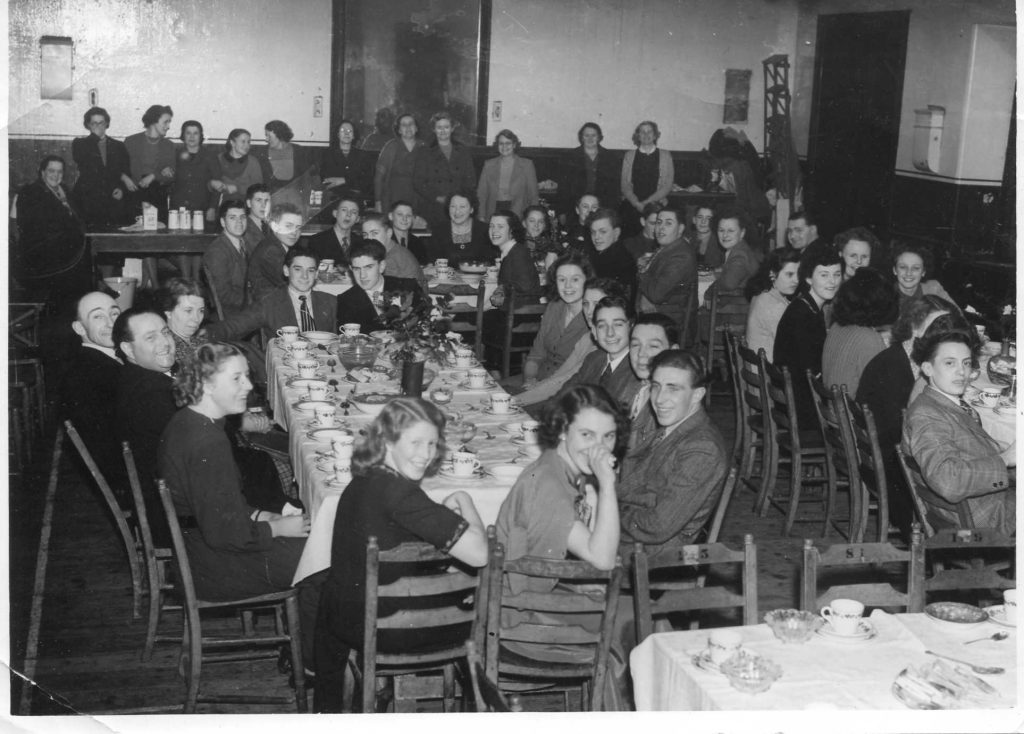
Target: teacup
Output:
[(307, 367), (343, 473), (531, 431), (491, 273), (463, 358), (990, 397), (464, 463), (477, 377), (1010, 605), (342, 447), (723, 644), (843, 615), (327, 265), (319, 390), (288, 334), (501, 402), (299, 349), (350, 329), (441, 263), (324, 416)]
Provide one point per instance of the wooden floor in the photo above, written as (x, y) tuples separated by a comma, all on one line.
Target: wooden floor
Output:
[(88, 655)]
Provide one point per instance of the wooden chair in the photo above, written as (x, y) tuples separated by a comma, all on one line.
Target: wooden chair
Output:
[(513, 669), (926, 501), (212, 288), (473, 326), (968, 560), (194, 643), (23, 326), (738, 409), (873, 490), (158, 562), (122, 518), (728, 489), (840, 469), (486, 694), (435, 580), (754, 416), (670, 598), (519, 321), (26, 377), (803, 447), (728, 316), (874, 593)]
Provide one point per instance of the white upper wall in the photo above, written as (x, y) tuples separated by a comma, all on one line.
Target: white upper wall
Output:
[(555, 65), (230, 63)]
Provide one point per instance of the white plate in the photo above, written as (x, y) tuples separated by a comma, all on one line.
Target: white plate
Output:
[(326, 435), (305, 382), (997, 614), (703, 660), (509, 412), (465, 386), (865, 631), (448, 473), (307, 406), (978, 404)]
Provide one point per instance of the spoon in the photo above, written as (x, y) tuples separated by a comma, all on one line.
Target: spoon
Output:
[(997, 636), (979, 669)]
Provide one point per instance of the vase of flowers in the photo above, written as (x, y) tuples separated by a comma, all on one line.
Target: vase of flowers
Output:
[(420, 326)]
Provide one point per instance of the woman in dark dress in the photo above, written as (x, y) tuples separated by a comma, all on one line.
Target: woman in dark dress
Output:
[(104, 175), (439, 169), (346, 168), (51, 248), (197, 184), (593, 169), (392, 181), (800, 336), (647, 175), (403, 444), (463, 238)]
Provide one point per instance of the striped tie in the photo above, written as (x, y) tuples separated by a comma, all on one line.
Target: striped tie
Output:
[(965, 407), (308, 324)]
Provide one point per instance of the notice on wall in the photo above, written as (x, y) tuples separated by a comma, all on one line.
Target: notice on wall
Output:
[(737, 95), (57, 54)]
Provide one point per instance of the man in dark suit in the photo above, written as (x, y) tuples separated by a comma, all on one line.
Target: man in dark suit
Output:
[(257, 202), (607, 252), (608, 366), (227, 259), (88, 391), (668, 280), (268, 257), (363, 303), (334, 243), (802, 230), (402, 218), (672, 481), (285, 305)]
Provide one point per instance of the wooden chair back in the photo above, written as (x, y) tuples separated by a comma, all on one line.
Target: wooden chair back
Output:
[(208, 281), (487, 697), (866, 451), (924, 499), (863, 557), (536, 629), (732, 342), (977, 555), (780, 402), (475, 326), (728, 316), (121, 518), (840, 467), (157, 560), (434, 578), (753, 407), (670, 598), (519, 321)]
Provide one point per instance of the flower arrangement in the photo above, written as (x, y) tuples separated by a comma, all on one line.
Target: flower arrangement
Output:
[(420, 325)]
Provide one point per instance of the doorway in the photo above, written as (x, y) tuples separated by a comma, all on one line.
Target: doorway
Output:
[(855, 118)]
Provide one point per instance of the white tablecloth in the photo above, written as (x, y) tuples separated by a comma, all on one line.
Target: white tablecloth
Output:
[(321, 501), (819, 672), (999, 422)]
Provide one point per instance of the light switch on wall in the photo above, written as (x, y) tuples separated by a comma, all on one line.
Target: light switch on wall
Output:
[(496, 111)]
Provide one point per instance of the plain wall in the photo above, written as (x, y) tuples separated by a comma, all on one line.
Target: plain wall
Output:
[(938, 66), (228, 64), (555, 65)]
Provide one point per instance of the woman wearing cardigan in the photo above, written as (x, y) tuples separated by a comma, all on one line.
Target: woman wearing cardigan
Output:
[(647, 174), (508, 181), (440, 169)]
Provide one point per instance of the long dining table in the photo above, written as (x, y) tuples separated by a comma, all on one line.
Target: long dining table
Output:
[(820, 673), (495, 442)]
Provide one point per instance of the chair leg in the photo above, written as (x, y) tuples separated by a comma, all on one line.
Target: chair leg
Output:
[(155, 603), (291, 611), (769, 477), (448, 690), (795, 486), (194, 666), (829, 500)]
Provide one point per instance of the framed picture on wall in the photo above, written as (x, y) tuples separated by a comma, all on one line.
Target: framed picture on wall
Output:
[(415, 56), (737, 95)]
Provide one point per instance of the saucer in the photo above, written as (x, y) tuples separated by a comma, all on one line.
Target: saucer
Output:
[(520, 441), (326, 435), (976, 402), (447, 472), (307, 406), (511, 411), (488, 386), (703, 659), (865, 631), (997, 614), (955, 614)]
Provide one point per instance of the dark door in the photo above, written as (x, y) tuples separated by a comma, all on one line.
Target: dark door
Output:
[(855, 118)]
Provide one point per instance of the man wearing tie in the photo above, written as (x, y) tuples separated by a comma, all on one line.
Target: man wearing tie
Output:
[(364, 303), (402, 217), (227, 259), (267, 258), (335, 243), (608, 366), (672, 481), (959, 461), (257, 226)]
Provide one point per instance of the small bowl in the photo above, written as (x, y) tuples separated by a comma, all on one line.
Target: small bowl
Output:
[(371, 403), (793, 625), (956, 614), (751, 673), (319, 337), (456, 432), (356, 355), (441, 396)]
